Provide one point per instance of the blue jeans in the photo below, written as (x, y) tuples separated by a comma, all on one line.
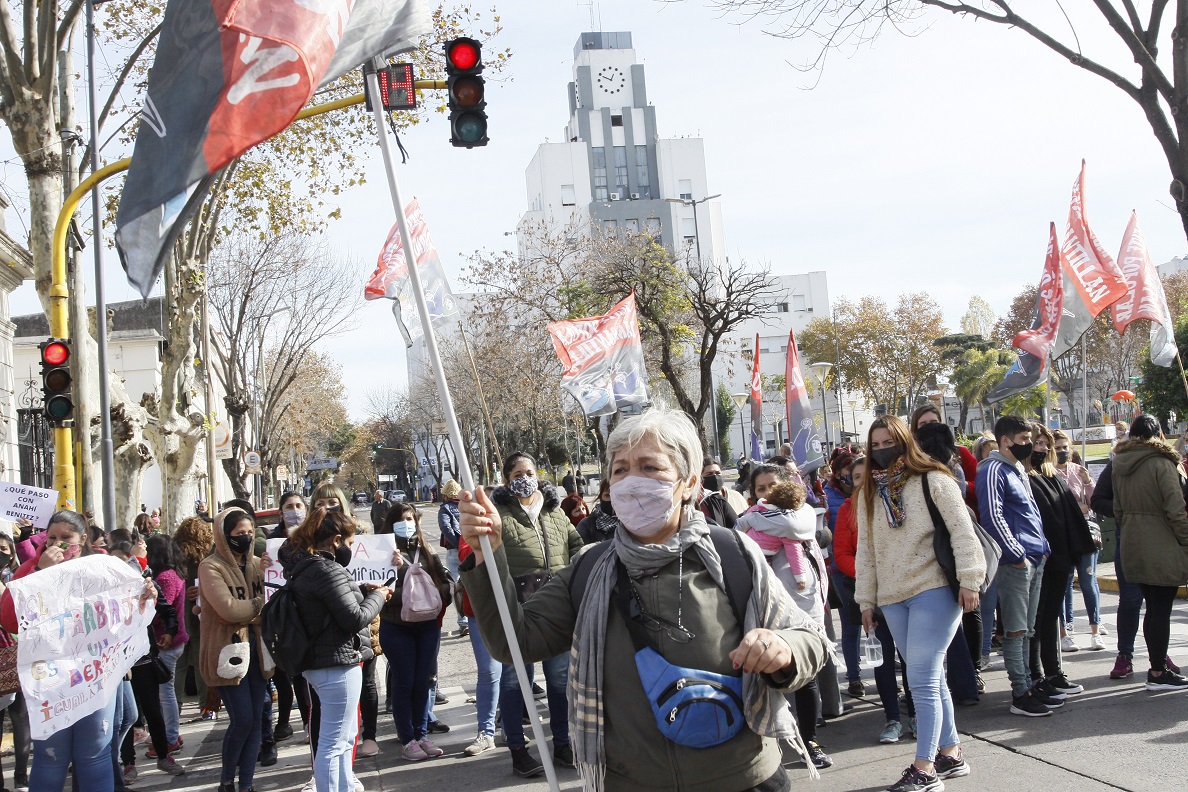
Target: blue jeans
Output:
[(850, 633), (452, 565), (338, 689), (1130, 605), (923, 627), (169, 706), (486, 685), (511, 701), (411, 650), (125, 715), (988, 605), (1086, 571), (1018, 601), (244, 704), (87, 745)]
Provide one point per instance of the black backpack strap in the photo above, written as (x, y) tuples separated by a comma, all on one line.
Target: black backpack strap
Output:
[(937, 520), (581, 571), (737, 572)]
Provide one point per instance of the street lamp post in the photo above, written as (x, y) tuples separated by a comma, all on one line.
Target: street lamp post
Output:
[(696, 226), (854, 416), (739, 400), (820, 371)]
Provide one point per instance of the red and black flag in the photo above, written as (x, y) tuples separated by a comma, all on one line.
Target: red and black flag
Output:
[(230, 74)]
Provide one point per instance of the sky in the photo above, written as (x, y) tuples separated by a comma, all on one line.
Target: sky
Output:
[(926, 160)]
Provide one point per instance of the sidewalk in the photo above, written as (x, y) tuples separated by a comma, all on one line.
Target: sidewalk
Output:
[(1107, 580)]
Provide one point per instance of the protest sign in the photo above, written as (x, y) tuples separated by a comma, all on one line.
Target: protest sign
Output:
[(81, 628), (371, 561), (32, 503)]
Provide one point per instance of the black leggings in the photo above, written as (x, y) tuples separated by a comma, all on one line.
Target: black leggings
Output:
[(971, 623), (808, 708), (1045, 646), (18, 716), (1157, 622), (369, 701), (148, 700)]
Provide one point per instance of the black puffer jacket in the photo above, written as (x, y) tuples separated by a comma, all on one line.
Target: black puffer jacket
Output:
[(334, 610)]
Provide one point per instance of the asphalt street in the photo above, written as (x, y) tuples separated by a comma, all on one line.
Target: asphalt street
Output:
[(1114, 736)]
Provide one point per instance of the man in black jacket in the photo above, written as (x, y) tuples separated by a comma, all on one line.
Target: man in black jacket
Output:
[(379, 510)]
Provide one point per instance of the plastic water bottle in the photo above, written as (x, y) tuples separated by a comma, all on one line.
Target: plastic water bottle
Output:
[(872, 650)]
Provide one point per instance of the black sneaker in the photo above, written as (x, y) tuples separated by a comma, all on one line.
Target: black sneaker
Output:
[(1048, 701), (951, 766), (916, 780), (1028, 705), (524, 764), (267, 756), (1044, 689), (437, 727), (857, 689), (819, 758), (282, 732), (1168, 680), (981, 683), (1061, 684), (440, 699), (563, 755), (537, 691)]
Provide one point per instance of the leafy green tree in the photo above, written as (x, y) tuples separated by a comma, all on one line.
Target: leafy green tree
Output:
[(1163, 389), (727, 412)]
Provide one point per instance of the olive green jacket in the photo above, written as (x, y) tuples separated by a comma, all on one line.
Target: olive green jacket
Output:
[(1149, 508)]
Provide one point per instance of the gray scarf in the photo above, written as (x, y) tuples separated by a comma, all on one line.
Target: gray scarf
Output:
[(767, 710)]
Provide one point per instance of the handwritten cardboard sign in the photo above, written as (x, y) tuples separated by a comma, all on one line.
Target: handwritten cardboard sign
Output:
[(32, 503), (371, 561)]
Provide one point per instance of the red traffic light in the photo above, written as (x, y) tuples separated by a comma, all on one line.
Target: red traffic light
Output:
[(463, 54), (55, 353)]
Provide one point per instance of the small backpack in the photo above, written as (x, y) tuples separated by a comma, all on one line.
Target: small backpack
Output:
[(420, 600), (283, 631)]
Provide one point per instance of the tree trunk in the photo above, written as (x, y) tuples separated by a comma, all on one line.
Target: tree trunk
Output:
[(132, 456)]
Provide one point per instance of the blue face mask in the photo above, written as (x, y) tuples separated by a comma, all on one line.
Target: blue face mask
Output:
[(405, 529)]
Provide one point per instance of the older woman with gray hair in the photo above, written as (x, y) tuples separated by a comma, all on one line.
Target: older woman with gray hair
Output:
[(678, 629)]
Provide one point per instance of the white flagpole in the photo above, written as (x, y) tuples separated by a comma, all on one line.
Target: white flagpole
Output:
[(1084, 397), (451, 419)]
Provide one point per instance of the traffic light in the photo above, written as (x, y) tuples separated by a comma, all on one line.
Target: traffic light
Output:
[(467, 93), (56, 382)]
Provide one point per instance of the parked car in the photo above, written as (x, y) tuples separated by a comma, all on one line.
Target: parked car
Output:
[(361, 498), (397, 496)]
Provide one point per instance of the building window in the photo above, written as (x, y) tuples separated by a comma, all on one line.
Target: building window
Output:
[(781, 307), (616, 120), (685, 188), (568, 196), (798, 303), (611, 227), (632, 226), (652, 224), (763, 350), (600, 191), (641, 172), (621, 170)]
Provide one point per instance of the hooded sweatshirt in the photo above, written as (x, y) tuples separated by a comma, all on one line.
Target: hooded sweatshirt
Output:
[(1007, 510), (232, 598), (788, 539)]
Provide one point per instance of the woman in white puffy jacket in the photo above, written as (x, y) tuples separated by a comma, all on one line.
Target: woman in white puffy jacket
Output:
[(784, 526)]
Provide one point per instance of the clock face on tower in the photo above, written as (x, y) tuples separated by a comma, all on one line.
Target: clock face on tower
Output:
[(611, 80)]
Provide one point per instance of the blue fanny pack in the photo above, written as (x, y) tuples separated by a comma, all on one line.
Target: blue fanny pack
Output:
[(692, 707)]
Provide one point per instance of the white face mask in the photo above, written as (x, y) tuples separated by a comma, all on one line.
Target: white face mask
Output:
[(643, 504)]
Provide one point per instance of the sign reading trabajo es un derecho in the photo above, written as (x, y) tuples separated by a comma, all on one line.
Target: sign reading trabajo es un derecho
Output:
[(81, 628), (371, 561), (18, 501)]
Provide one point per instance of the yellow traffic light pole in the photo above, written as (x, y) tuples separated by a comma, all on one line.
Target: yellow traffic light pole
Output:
[(59, 312)]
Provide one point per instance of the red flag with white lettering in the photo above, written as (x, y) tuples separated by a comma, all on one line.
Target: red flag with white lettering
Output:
[(603, 359), (230, 74), (1092, 281), (1049, 304), (1145, 298)]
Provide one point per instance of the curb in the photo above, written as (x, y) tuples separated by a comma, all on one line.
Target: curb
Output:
[(1110, 583)]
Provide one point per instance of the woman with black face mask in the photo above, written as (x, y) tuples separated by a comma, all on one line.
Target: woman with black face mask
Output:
[(336, 611), (1069, 538), (896, 571), (600, 524)]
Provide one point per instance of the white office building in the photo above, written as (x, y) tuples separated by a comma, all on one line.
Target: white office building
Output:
[(614, 169)]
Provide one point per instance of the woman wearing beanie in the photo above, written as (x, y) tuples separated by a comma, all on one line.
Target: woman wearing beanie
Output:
[(1149, 508)]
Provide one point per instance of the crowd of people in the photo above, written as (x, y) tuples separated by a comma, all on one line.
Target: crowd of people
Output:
[(701, 615)]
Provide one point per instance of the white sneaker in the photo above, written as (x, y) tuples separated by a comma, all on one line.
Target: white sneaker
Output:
[(1068, 628), (1095, 642), (413, 752), (483, 743), (310, 786), (431, 750), (357, 784), (1101, 629), (1067, 644)]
